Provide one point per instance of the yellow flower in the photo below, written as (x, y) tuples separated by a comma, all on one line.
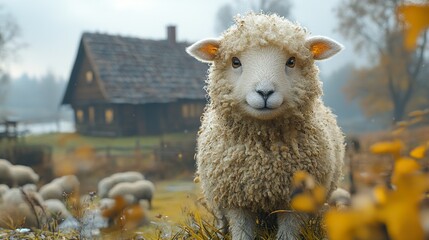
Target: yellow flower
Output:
[(396, 210), (403, 167), (402, 124), (417, 113), (309, 196), (415, 15), (389, 147), (351, 224), (419, 152)]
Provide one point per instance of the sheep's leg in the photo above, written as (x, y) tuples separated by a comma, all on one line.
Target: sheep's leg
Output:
[(289, 225), (242, 224), (221, 222)]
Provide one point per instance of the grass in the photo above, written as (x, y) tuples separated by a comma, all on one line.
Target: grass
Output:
[(63, 141), (88, 157), (177, 212)]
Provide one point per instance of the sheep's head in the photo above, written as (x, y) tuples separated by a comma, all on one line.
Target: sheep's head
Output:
[(266, 65)]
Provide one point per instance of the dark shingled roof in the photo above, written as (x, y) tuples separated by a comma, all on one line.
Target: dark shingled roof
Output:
[(134, 70)]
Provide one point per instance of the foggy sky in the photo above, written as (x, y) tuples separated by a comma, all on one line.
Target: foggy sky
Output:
[(51, 29)]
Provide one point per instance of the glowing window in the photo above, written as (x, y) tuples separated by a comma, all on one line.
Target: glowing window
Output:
[(185, 111), (79, 115), (108, 115), (89, 76)]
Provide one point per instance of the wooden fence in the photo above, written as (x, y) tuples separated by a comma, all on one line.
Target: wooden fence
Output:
[(160, 161)]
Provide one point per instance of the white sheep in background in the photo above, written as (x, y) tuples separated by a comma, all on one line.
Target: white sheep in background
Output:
[(21, 209), (59, 187), (134, 192), (51, 191), (265, 121), (22, 175), (107, 183), (5, 174), (3, 189), (69, 183), (56, 209)]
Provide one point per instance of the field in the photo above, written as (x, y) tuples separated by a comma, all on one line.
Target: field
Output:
[(178, 211)]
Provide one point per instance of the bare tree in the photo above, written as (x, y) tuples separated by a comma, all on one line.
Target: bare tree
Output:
[(226, 13), (375, 29), (9, 34)]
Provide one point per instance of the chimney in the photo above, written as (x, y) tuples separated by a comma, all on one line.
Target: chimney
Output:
[(171, 34)]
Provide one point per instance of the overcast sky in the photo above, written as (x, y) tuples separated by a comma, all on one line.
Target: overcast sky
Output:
[(51, 29)]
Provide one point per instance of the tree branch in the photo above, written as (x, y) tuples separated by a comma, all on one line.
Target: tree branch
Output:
[(420, 58)]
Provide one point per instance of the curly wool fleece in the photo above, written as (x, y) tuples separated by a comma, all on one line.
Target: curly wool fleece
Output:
[(247, 163)]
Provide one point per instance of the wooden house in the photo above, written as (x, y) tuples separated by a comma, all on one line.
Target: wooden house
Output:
[(122, 86)]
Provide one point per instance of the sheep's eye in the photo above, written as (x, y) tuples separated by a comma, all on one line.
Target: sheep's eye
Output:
[(291, 62), (235, 62)]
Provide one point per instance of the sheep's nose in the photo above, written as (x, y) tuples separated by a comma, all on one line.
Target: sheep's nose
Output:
[(265, 93)]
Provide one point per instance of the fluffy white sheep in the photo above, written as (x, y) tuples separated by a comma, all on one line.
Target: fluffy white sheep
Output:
[(5, 174), (56, 209), (134, 192), (69, 183), (265, 121), (107, 183), (21, 206), (22, 175), (51, 191), (106, 203), (59, 186), (3, 189)]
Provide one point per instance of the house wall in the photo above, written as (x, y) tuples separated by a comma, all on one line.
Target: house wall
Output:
[(86, 90), (98, 119), (131, 119)]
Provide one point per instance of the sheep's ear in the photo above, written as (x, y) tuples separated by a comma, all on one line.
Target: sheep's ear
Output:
[(322, 47), (204, 50)]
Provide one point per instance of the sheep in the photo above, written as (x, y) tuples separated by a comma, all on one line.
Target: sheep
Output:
[(264, 121), (56, 209), (5, 174), (51, 191), (21, 207), (22, 175), (134, 192), (107, 183), (69, 183), (3, 189), (59, 186)]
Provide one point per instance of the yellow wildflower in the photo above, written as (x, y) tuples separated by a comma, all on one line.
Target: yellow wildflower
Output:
[(419, 152), (389, 147), (415, 15)]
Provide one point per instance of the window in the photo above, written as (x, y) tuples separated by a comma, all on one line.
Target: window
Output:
[(79, 115), (185, 111), (192, 110), (89, 76), (108, 115), (91, 114)]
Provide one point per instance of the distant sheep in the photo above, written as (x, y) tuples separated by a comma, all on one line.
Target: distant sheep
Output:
[(265, 121), (107, 183), (5, 174), (69, 183), (51, 191), (56, 209), (3, 189), (22, 175), (136, 191), (59, 187), (21, 207)]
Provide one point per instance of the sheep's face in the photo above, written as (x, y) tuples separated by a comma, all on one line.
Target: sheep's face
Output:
[(264, 64), (262, 79)]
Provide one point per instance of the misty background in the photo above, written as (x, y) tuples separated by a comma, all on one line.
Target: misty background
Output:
[(49, 31)]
